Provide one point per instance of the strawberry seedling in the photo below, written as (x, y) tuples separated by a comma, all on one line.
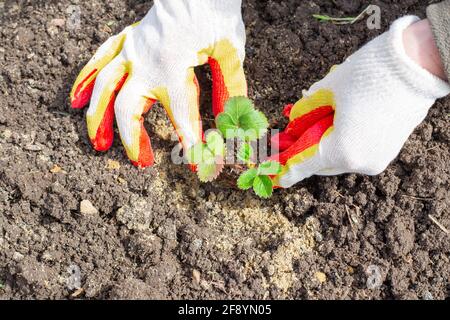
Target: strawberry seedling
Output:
[(259, 179), (242, 122), (209, 157)]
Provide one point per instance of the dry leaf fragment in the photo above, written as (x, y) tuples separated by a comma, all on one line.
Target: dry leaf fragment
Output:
[(113, 165), (56, 169), (322, 277)]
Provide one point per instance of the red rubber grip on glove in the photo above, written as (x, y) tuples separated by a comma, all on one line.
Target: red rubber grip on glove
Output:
[(105, 133), (220, 94), (82, 97), (311, 137)]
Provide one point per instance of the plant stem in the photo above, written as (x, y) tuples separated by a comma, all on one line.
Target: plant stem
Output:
[(345, 20)]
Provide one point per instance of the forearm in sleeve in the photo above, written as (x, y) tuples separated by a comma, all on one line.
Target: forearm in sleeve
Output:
[(439, 16)]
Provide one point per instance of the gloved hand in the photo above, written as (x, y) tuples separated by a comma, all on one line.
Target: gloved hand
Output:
[(357, 119), (153, 61)]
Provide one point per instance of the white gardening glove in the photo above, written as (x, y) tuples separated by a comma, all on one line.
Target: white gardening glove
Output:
[(153, 61), (357, 119)]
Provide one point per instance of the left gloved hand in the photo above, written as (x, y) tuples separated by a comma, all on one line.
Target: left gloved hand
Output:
[(154, 61), (357, 119)]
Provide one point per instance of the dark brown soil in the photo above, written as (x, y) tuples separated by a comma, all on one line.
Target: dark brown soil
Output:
[(159, 233)]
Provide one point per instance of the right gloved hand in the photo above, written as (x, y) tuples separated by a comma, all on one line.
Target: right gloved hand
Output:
[(153, 61), (357, 119)]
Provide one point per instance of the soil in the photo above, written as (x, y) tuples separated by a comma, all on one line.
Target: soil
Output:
[(159, 233)]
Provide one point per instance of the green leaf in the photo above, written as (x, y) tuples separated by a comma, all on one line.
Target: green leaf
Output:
[(321, 17), (263, 186), (269, 168), (246, 179), (226, 125), (245, 153), (237, 107), (241, 120), (243, 135), (195, 153), (215, 143), (255, 124), (208, 172), (208, 157)]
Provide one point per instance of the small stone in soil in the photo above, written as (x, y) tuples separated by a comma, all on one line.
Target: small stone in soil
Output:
[(196, 276), (428, 296), (58, 22), (33, 147), (86, 207), (322, 277), (17, 256)]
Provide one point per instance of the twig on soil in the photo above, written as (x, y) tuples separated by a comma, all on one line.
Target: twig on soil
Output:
[(432, 148), (353, 221), (353, 205), (352, 218), (418, 198), (436, 222), (346, 20), (77, 293), (219, 285), (61, 113)]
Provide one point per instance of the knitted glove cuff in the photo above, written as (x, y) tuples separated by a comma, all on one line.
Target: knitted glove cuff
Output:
[(439, 15), (420, 80)]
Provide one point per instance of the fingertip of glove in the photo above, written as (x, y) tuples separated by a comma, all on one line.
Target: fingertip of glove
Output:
[(143, 164), (78, 103), (80, 97), (101, 145), (282, 141), (146, 159)]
